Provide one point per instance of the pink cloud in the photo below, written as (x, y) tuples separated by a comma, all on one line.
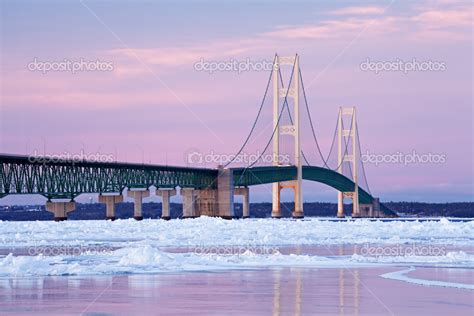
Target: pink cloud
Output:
[(365, 10), (442, 18), (177, 56), (25, 89), (326, 29), (423, 23)]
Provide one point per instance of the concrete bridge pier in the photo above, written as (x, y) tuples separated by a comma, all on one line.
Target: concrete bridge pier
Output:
[(245, 205), (276, 206), (189, 203), (298, 211), (165, 203), (376, 207), (370, 210), (366, 210), (355, 204), (60, 209), (340, 204), (110, 201), (225, 193), (205, 202), (356, 211), (295, 185), (138, 195)]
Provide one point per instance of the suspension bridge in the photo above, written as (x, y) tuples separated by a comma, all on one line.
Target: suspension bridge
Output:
[(211, 191)]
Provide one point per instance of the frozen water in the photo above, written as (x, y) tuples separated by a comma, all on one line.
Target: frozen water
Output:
[(128, 246), (205, 231), (148, 259), (401, 276)]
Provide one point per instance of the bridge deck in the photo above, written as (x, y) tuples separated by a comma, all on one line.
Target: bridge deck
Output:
[(69, 178)]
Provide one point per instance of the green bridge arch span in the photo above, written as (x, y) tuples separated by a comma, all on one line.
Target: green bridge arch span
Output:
[(271, 174)]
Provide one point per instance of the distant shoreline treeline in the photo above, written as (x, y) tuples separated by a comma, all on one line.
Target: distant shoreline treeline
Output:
[(91, 211)]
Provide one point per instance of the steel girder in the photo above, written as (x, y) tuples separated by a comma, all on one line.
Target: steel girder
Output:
[(69, 178)]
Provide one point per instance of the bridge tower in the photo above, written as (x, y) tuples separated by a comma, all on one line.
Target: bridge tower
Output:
[(344, 156), (292, 130)]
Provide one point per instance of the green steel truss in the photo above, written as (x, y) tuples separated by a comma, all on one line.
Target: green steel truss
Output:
[(264, 175), (67, 179)]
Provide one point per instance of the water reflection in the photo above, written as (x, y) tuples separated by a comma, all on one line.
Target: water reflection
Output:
[(283, 291), (276, 291), (298, 297), (341, 292)]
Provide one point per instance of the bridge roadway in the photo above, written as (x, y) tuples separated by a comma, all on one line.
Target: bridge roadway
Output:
[(66, 179)]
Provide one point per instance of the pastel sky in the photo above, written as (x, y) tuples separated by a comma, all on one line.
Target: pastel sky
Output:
[(154, 107)]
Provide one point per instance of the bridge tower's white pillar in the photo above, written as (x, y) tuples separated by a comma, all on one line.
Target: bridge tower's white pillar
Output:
[(355, 161), (340, 154), (298, 212), (353, 158), (292, 130), (276, 188)]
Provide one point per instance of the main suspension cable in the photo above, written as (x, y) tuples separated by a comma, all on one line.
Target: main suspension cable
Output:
[(274, 129), (256, 119), (346, 143), (289, 113), (362, 163), (333, 141), (311, 122)]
